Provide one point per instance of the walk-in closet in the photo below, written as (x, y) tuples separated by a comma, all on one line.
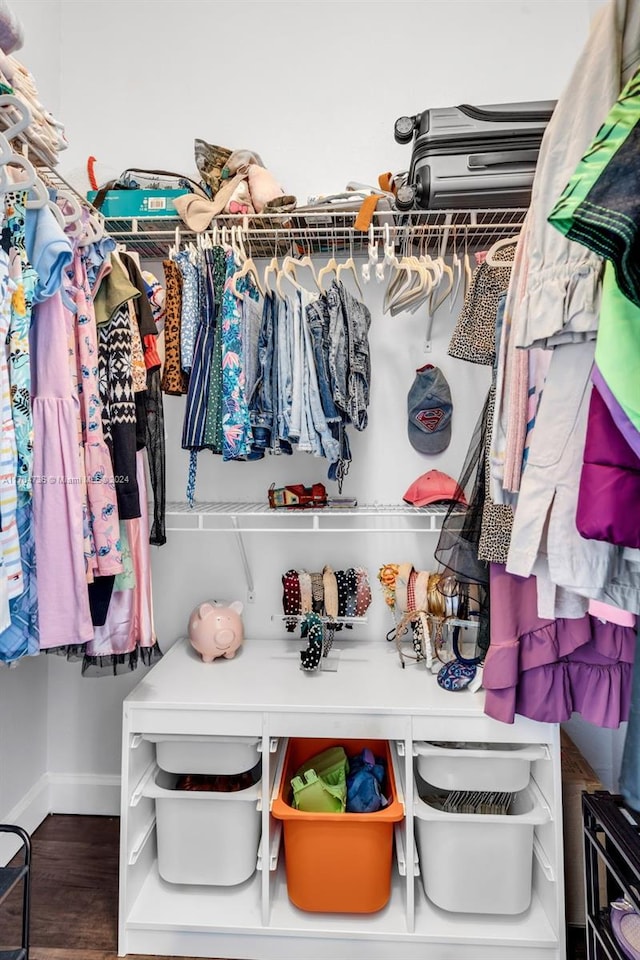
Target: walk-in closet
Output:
[(319, 505)]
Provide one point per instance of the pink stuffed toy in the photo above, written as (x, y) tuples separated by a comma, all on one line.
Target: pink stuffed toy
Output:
[(263, 187)]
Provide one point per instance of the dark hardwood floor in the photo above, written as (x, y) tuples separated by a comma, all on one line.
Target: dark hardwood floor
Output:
[(75, 894), (74, 891)]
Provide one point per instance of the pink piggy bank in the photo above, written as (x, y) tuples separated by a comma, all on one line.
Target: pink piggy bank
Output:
[(215, 629)]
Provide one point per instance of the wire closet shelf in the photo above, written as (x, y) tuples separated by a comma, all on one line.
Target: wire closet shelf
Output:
[(327, 232)]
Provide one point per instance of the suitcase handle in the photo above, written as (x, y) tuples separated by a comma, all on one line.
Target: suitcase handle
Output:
[(477, 160)]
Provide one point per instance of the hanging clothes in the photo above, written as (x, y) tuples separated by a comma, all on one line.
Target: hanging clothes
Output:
[(128, 635), (63, 600), (155, 439), (476, 339), (198, 393), (174, 381), (21, 637), (187, 263), (115, 351), (101, 486), (547, 669), (213, 424), (237, 435)]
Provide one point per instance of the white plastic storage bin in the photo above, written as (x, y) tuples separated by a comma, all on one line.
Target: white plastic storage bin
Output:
[(223, 755), (475, 766), (205, 837), (479, 863)]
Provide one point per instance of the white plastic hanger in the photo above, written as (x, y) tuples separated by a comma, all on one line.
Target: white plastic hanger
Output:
[(412, 294), (442, 290), (404, 276), (349, 266), (24, 115), (500, 245), (269, 275), (175, 246), (467, 270), (372, 250), (291, 265), (330, 267), (94, 229), (287, 272), (457, 267), (248, 268)]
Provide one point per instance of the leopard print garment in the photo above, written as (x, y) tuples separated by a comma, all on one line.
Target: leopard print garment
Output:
[(174, 381), (497, 518), (473, 338)]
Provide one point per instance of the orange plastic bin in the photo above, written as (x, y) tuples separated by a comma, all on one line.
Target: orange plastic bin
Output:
[(337, 862)]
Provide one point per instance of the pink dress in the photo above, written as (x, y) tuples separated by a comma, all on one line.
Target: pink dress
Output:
[(63, 597)]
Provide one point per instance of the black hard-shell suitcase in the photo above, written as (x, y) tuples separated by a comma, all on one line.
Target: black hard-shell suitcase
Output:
[(466, 157)]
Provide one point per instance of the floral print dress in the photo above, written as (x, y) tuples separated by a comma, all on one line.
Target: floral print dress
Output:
[(237, 435)]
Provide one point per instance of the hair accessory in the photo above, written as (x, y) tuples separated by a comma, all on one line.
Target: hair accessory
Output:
[(317, 592), (330, 592), (402, 587), (343, 592), (420, 590), (455, 675), (387, 575), (291, 598), (352, 588), (363, 592), (410, 616), (312, 628), (305, 592)]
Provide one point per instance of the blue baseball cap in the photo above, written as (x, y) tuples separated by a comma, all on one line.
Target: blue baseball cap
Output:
[(429, 409)]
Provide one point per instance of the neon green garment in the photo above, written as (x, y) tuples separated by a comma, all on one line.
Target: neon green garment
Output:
[(600, 206)]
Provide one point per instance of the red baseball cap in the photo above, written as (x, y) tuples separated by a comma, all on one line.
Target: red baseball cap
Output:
[(432, 487)]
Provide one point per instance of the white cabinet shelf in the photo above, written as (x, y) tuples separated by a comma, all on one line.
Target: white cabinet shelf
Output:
[(262, 692)]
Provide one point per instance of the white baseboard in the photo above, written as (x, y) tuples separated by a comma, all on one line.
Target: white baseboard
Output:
[(28, 813), (84, 794), (87, 794)]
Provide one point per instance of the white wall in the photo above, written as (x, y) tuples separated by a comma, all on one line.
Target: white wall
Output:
[(23, 733), (315, 87), (24, 689)]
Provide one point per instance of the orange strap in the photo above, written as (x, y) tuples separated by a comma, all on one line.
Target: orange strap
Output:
[(366, 212), (385, 182)]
